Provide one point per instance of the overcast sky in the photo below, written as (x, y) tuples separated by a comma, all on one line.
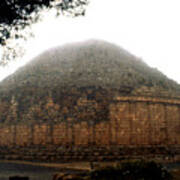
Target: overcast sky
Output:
[(150, 29)]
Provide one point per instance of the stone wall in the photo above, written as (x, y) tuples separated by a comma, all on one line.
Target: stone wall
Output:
[(137, 126)]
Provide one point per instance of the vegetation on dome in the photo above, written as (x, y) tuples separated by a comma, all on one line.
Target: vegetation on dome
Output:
[(78, 81)]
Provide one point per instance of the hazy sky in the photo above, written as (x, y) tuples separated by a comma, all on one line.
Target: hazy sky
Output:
[(150, 29)]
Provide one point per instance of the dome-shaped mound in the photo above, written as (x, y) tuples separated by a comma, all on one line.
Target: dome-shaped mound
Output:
[(78, 81)]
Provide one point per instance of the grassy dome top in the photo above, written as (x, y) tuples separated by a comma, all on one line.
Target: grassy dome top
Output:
[(95, 64)]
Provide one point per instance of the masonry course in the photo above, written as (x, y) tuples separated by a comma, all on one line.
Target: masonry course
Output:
[(136, 126)]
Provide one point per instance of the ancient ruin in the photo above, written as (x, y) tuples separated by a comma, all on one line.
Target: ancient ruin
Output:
[(94, 102)]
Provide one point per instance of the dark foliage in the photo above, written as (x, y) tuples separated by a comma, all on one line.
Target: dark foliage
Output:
[(136, 170), (18, 178), (18, 13)]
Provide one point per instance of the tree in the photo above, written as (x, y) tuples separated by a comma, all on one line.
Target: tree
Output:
[(16, 15)]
